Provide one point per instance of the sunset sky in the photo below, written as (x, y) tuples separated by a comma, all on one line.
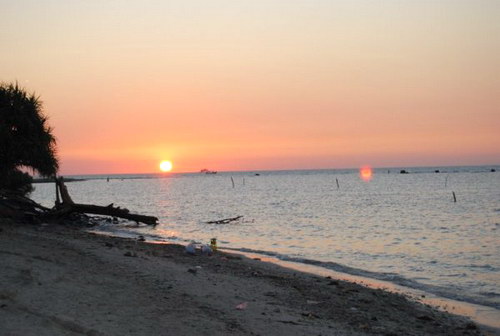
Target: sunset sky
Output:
[(259, 84)]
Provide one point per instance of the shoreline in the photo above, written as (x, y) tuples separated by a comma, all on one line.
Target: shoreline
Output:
[(64, 281), (373, 279), (483, 315)]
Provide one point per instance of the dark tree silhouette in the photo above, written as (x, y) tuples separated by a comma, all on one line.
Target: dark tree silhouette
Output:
[(26, 139)]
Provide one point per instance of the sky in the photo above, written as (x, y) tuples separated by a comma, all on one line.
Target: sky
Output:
[(260, 84)]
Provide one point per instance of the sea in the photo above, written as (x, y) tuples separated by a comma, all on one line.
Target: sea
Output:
[(434, 229)]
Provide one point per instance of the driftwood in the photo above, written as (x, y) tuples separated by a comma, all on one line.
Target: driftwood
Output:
[(225, 220), (68, 206), (114, 212), (21, 208)]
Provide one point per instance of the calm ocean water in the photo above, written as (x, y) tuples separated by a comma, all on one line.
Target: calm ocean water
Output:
[(403, 228)]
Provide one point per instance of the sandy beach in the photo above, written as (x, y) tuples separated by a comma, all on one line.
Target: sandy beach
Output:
[(59, 280)]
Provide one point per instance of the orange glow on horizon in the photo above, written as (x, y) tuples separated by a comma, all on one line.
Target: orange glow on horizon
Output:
[(366, 173)]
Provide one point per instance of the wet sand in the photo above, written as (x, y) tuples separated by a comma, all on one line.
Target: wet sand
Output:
[(58, 280)]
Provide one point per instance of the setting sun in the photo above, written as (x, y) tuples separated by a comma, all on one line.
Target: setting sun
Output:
[(166, 166)]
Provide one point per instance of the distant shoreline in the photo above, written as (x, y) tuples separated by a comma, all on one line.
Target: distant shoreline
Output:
[(51, 180), (395, 169)]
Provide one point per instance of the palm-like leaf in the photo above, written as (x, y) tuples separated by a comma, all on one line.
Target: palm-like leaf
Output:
[(25, 136)]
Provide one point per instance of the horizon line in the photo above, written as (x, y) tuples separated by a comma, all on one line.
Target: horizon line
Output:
[(278, 170)]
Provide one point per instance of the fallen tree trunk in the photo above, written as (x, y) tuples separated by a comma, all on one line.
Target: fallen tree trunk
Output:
[(114, 212), (68, 206), (22, 208)]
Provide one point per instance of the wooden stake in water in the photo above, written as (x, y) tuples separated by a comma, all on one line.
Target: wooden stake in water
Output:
[(337, 180), (232, 181), (57, 192), (243, 181), (454, 197), (446, 181)]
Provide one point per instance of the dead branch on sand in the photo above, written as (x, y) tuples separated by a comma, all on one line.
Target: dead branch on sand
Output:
[(21, 207)]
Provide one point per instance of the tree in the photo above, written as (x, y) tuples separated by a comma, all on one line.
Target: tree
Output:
[(26, 140)]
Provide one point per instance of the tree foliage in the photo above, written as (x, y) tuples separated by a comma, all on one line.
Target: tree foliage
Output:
[(26, 139)]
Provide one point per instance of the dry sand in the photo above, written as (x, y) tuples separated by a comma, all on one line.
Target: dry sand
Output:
[(56, 280)]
